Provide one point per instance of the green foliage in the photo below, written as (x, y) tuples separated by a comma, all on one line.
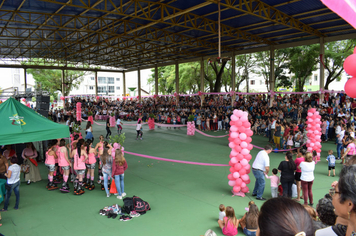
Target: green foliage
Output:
[(33, 99), (303, 61), (90, 113), (151, 115), (120, 139), (112, 114), (334, 57), (76, 128), (191, 118), (51, 80)]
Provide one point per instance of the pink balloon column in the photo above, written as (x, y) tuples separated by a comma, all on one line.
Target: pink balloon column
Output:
[(151, 123), (190, 128), (350, 68), (314, 132), (79, 111), (90, 118), (112, 121), (240, 143)]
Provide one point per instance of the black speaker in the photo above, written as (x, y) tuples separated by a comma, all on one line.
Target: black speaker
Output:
[(42, 99), (42, 106), (43, 112)]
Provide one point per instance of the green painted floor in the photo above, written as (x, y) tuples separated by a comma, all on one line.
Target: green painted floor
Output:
[(184, 198)]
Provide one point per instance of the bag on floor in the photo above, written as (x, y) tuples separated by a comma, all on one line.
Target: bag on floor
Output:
[(113, 187), (140, 205)]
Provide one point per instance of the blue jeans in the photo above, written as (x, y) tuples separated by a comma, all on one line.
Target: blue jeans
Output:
[(338, 148), (9, 188), (248, 232), (326, 134), (260, 183), (105, 176), (203, 125), (119, 182)]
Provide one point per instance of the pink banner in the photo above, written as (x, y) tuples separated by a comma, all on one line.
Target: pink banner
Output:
[(346, 9), (210, 136), (172, 160)]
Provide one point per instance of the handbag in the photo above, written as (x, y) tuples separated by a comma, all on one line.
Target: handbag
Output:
[(113, 187), (25, 168)]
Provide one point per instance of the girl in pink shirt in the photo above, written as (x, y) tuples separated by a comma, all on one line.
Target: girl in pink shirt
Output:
[(100, 147), (229, 224), (56, 173), (90, 164), (64, 163), (50, 162), (79, 154), (274, 182)]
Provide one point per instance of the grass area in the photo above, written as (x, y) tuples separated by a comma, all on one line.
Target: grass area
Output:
[(184, 198)]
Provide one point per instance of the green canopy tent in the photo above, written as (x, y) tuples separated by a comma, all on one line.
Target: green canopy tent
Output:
[(20, 124)]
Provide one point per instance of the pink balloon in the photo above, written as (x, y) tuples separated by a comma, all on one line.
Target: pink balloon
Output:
[(248, 171), (237, 141), (236, 189), (233, 160), (310, 114), (232, 182), (234, 135), (243, 185), (233, 153), (238, 123), (232, 145), (236, 175), (310, 120), (249, 133), (248, 181), (238, 182), (242, 171), (233, 129), (239, 157), (234, 118), (238, 148), (243, 144), (242, 136), (250, 146), (247, 124), (245, 151), (349, 65), (244, 162), (248, 157), (248, 139), (244, 118), (232, 170), (242, 129), (244, 190), (350, 87), (230, 177), (245, 177), (310, 149), (247, 167), (238, 113), (311, 144), (237, 166), (312, 110)]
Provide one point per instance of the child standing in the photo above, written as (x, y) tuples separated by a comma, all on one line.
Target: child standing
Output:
[(229, 224), (222, 213), (274, 182), (331, 162), (139, 130), (118, 169)]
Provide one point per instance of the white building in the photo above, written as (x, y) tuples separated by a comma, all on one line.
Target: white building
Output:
[(12, 81)]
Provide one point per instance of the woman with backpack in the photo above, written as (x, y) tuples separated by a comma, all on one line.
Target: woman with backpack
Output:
[(118, 169)]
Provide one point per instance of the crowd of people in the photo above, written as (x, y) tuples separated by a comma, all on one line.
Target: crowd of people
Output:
[(282, 122)]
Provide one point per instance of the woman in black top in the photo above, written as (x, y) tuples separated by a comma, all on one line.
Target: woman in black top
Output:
[(108, 131), (287, 169)]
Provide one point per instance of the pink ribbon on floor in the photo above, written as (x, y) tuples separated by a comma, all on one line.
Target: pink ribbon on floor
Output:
[(172, 160), (165, 125), (210, 136), (134, 124)]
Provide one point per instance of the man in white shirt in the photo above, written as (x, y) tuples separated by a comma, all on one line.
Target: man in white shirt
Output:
[(260, 167), (118, 124)]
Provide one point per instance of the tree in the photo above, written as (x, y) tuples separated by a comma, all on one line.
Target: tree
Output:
[(51, 80), (165, 79), (302, 62), (280, 64), (334, 57), (218, 68)]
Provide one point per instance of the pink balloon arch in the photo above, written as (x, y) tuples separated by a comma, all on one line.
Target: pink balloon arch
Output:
[(314, 132), (151, 123), (240, 144), (190, 128)]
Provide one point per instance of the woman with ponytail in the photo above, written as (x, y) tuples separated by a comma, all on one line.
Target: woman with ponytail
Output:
[(287, 169), (80, 156), (90, 164)]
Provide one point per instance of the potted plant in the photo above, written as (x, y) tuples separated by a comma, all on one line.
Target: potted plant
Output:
[(190, 126), (117, 141), (76, 131), (90, 117), (151, 121)]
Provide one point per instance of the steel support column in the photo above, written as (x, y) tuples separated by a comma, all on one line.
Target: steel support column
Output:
[(233, 79), (124, 83), (272, 75), (321, 80), (139, 83), (177, 81), (156, 79), (96, 83), (25, 77), (202, 81)]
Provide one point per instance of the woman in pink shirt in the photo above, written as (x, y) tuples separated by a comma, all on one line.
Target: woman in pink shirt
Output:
[(90, 164), (80, 156), (118, 168), (64, 163), (56, 174), (29, 155), (50, 162), (100, 147), (350, 150)]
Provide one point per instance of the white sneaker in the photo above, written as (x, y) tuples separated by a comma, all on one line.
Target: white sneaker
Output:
[(116, 194), (119, 197), (123, 194), (108, 195)]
